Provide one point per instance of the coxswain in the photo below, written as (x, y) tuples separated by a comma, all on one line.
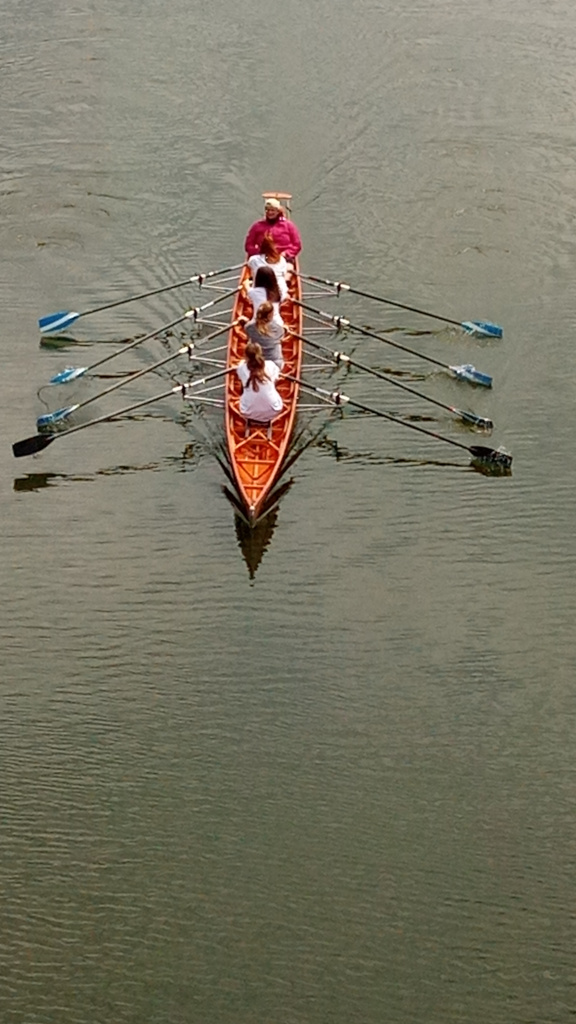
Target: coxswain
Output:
[(275, 223)]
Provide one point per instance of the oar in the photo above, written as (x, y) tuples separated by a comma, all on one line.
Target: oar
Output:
[(478, 451), (36, 443), (483, 327), (466, 372), (61, 414), (62, 320), (73, 372), (482, 422)]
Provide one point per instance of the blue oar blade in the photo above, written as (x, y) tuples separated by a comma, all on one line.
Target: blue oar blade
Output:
[(472, 375), (57, 321), (482, 422), (54, 417), (70, 373), (482, 327)]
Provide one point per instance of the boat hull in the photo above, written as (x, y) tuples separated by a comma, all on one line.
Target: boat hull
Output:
[(257, 451)]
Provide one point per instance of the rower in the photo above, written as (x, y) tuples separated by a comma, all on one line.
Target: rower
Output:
[(275, 223), (270, 257), (260, 401), (268, 332), (266, 288)]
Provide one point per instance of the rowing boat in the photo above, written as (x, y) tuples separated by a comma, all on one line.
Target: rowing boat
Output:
[(259, 455), (257, 451)]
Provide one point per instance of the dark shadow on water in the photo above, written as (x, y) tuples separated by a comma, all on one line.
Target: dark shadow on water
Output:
[(334, 449), (36, 481), (62, 342), (254, 540)]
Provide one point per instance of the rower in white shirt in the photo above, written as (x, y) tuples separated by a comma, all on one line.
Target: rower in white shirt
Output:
[(269, 256), (265, 288), (260, 400)]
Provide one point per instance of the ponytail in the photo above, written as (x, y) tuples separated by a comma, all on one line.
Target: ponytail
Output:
[(256, 366), (266, 278), (263, 318), (269, 250)]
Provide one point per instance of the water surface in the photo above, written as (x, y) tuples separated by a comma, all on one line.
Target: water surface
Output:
[(333, 784)]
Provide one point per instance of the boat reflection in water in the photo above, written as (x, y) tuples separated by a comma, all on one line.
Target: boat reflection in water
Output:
[(254, 538)]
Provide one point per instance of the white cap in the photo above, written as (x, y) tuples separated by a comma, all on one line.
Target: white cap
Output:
[(274, 203)]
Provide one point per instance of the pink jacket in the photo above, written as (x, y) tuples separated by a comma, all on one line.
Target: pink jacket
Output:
[(284, 232)]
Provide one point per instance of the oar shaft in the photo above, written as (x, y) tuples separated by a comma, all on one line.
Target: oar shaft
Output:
[(341, 321), (406, 423), (190, 314), (37, 443), (177, 389), (193, 314), (150, 369), (137, 341), (195, 279), (342, 357), (340, 286), (337, 398)]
